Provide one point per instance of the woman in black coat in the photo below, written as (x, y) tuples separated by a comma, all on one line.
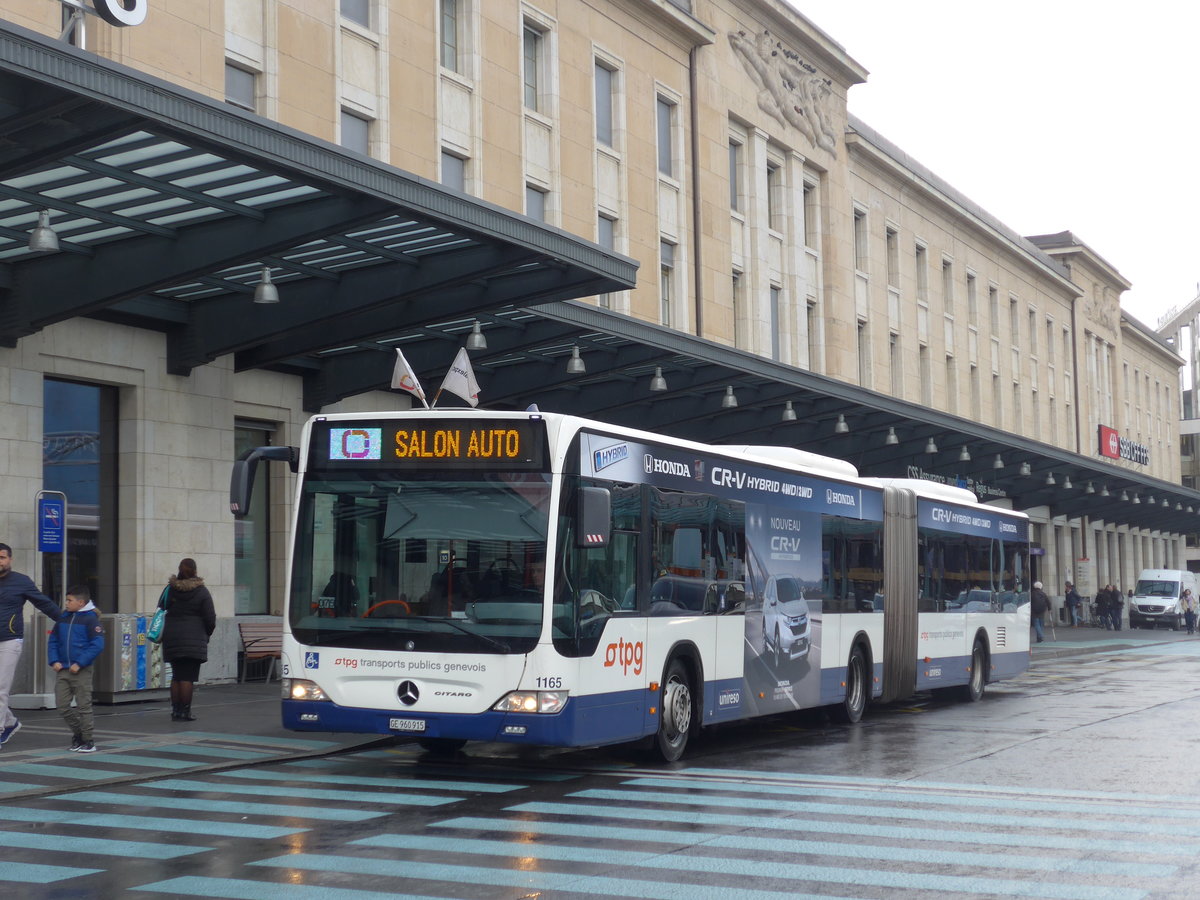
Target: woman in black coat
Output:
[(190, 622)]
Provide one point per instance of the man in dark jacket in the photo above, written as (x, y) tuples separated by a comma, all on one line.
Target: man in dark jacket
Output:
[(1039, 603), (74, 644), (15, 589)]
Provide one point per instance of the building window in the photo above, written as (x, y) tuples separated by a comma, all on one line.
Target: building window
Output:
[(811, 221), (606, 237), (922, 274), (972, 300), (775, 323), (892, 246), (454, 171), (864, 355), (79, 459), (357, 11), (994, 309), (535, 203), (1033, 331), (951, 386), (450, 35), (735, 176), (926, 376), (814, 346), (241, 87), (948, 285), (860, 240), (356, 132), (666, 130), (896, 365), (775, 218), (976, 395), (1014, 321), (739, 327), (605, 84), (666, 279), (533, 51), (252, 534)]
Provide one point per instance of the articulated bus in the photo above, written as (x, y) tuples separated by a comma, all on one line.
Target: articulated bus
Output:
[(536, 578)]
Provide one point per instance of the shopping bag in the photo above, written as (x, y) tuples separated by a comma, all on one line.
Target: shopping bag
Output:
[(154, 631)]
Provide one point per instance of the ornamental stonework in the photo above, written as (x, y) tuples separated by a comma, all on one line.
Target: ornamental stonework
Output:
[(790, 90)]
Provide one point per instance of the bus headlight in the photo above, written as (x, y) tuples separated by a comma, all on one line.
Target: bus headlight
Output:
[(302, 689), (532, 702)]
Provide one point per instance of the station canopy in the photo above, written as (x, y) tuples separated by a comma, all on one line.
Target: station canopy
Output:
[(168, 207)]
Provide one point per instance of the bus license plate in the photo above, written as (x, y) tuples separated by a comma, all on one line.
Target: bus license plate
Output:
[(406, 724)]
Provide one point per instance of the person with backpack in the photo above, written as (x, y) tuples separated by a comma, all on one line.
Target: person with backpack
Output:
[(1039, 604), (1072, 600)]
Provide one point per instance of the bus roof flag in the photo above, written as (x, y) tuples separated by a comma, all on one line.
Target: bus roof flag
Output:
[(405, 379), (460, 380)]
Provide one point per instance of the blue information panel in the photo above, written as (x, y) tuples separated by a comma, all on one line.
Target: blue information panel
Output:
[(52, 525)]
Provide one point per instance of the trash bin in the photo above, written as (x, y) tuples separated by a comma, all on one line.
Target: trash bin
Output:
[(130, 667)]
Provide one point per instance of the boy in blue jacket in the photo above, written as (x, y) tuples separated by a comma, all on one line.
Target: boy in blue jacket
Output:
[(75, 642)]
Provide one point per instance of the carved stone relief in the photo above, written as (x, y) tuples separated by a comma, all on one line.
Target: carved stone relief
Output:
[(1099, 308), (790, 90)]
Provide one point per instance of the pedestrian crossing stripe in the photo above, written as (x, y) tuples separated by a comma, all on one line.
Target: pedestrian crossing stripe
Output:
[(32, 873), (98, 846), (146, 823), (308, 793), (245, 889), (1166, 829), (480, 787), (327, 813)]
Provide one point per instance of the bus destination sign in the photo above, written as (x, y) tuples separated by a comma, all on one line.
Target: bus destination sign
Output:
[(457, 444)]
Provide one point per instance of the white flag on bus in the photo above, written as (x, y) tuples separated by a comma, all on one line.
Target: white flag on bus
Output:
[(460, 380), (405, 379)]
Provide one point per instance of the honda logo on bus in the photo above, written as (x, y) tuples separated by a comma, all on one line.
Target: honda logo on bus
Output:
[(655, 466)]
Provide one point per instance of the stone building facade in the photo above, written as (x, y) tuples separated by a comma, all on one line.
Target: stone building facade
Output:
[(708, 139)]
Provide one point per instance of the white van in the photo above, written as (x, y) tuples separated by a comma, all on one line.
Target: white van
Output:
[(1156, 599)]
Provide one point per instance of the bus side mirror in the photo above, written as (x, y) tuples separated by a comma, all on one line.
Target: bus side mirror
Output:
[(593, 519), (241, 482)]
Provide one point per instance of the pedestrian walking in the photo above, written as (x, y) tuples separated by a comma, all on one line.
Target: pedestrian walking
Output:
[(190, 622), (15, 589), (1189, 610), (75, 642), (1116, 605), (1039, 603), (1073, 602), (1103, 603)]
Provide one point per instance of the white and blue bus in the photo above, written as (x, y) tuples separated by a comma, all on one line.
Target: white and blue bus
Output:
[(462, 575)]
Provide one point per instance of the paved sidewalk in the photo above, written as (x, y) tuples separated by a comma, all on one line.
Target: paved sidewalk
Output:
[(1062, 640), (235, 724)]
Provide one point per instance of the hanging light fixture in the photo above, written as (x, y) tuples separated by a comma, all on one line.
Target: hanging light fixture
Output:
[(841, 427), (1149, 499), (576, 365), (1166, 503), (476, 340), (658, 383), (1104, 490), (931, 447), (1190, 509), (265, 291), (1067, 483), (1050, 479), (1124, 495), (729, 401), (43, 238), (964, 455), (1178, 507), (789, 414), (1025, 471), (1089, 489), (891, 438), (1136, 499), (997, 463)]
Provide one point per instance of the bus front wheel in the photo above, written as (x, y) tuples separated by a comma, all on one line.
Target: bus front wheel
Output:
[(852, 707), (675, 716)]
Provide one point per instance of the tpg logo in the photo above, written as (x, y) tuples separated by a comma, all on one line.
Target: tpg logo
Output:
[(624, 654)]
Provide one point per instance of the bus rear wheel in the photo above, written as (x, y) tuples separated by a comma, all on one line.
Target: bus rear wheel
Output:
[(852, 707), (675, 715), (972, 691)]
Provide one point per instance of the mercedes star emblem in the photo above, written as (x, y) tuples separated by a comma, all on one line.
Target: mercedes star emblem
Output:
[(408, 693)]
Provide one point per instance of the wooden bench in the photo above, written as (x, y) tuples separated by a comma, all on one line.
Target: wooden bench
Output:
[(261, 641)]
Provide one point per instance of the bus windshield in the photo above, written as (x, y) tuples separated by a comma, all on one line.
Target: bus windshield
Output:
[(410, 563)]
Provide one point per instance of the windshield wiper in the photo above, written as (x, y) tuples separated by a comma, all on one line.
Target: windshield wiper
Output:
[(490, 641)]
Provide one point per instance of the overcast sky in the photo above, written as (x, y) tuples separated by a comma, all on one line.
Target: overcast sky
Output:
[(1051, 115)]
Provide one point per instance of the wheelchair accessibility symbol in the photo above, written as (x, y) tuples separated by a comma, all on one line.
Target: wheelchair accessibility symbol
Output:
[(312, 660)]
